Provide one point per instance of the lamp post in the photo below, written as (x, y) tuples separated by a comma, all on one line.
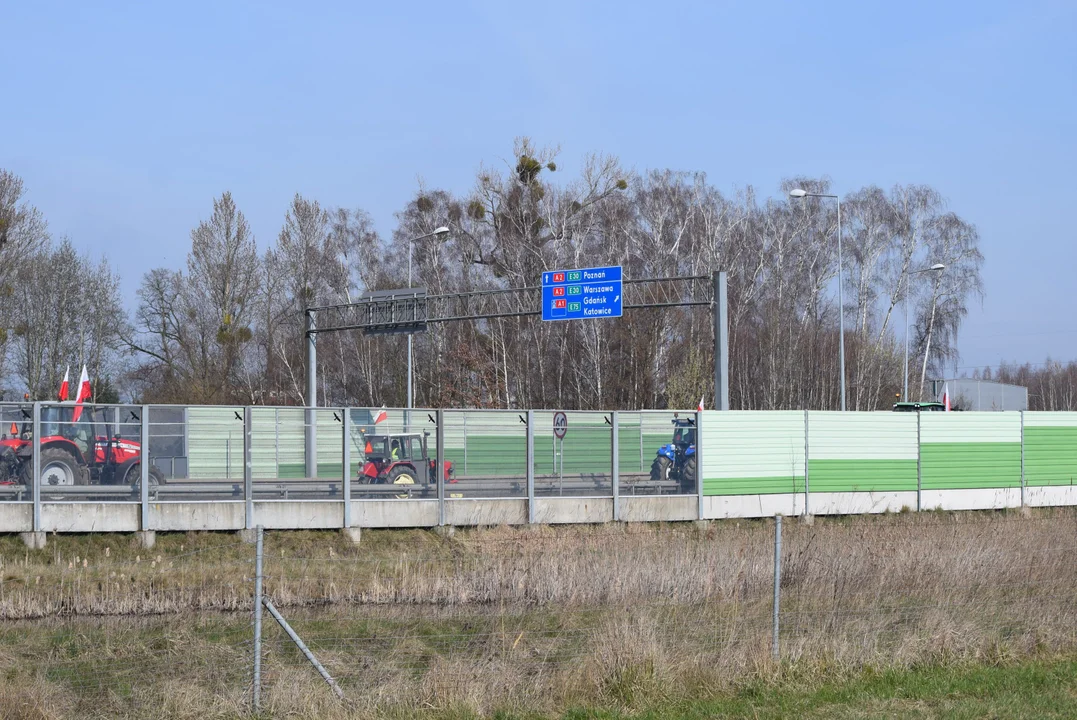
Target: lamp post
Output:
[(440, 232), (937, 267), (798, 194)]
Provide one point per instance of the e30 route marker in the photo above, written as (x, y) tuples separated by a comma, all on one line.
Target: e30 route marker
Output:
[(582, 294)]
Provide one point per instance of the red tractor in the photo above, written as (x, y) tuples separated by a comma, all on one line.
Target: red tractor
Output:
[(400, 460), (73, 452)]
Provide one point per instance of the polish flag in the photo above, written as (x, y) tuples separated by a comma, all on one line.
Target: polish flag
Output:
[(700, 408), (946, 396), (84, 394), (64, 384), (383, 414)]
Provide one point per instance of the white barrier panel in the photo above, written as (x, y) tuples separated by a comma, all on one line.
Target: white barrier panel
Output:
[(993, 499), (1051, 496), (716, 507), (861, 503)]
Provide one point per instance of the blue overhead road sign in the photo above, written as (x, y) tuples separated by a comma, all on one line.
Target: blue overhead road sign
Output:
[(582, 294)]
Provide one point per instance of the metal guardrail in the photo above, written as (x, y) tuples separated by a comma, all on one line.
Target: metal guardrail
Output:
[(507, 487)]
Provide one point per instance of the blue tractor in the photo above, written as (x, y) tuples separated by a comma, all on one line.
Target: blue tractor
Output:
[(677, 461)]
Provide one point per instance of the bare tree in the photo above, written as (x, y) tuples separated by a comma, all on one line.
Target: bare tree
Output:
[(309, 260), (23, 233), (66, 311), (531, 215), (194, 328), (955, 244)]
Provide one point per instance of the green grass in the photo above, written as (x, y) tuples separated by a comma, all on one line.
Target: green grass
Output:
[(1033, 689)]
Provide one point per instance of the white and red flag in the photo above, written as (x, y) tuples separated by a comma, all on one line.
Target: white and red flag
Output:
[(64, 385), (946, 396), (700, 408), (383, 414), (84, 394)]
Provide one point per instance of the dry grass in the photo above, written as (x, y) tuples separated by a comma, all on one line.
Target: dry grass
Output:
[(529, 619)]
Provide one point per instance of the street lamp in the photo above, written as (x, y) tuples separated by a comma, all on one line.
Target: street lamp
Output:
[(798, 194), (440, 232), (937, 267)]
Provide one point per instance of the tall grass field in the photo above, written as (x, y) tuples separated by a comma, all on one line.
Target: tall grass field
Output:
[(909, 615)]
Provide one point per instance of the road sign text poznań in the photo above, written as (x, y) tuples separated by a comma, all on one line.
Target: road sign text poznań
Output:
[(582, 294)]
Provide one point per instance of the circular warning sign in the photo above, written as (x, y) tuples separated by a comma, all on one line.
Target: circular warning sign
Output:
[(560, 425)]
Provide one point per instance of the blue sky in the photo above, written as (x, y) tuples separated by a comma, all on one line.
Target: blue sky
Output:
[(126, 119)]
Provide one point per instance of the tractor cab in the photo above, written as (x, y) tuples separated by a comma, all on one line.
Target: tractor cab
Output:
[(684, 432), (392, 448), (399, 459), (57, 424), (88, 433)]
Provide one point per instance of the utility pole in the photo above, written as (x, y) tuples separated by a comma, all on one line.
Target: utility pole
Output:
[(310, 419), (721, 341)]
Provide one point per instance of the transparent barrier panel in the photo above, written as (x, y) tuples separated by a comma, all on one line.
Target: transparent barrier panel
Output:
[(167, 443), (199, 452), (195, 453), (89, 453), (16, 427), (283, 467), (393, 453), (573, 454), (487, 453), (657, 453)]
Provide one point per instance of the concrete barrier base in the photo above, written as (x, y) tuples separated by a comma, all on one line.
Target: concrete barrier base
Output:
[(353, 534), (249, 535), (33, 540), (147, 538)]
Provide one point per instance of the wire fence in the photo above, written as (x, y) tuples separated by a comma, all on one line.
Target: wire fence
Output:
[(95, 626)]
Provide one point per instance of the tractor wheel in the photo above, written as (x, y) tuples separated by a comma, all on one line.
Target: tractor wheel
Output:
[(688, 476), (401, 475), (134, 477), (58, 467), (660, 468)]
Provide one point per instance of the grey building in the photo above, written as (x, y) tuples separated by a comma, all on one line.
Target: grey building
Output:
[(968, 394)]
